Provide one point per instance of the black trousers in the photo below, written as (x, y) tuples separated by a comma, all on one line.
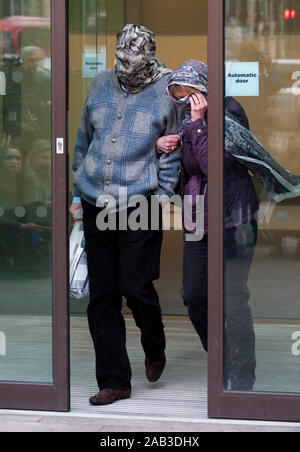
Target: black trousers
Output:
[(239, 336), (122, 263)]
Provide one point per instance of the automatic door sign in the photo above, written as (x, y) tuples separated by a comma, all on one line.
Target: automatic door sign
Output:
[(242, 79), (92, 64)]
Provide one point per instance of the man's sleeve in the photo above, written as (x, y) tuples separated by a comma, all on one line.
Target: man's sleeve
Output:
[(83, 139), (169, 163)]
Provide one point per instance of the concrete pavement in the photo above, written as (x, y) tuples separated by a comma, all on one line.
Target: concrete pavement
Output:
[(11, 421)]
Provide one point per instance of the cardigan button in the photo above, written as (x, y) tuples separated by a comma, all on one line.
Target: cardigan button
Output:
[(199, 130)]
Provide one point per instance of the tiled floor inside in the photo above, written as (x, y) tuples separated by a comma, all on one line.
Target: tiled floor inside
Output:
[(180, 393)]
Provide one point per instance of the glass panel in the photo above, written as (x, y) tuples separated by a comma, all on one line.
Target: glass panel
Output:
[(187, 33), (88, 54), (262, 219), (166, 17), (25, 192)]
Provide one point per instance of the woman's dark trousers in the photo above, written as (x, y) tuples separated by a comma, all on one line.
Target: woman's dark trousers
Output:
[(239, 336), (121, 263)]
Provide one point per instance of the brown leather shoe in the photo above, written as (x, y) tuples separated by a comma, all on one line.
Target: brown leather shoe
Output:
[(155, 367), (109, 396)]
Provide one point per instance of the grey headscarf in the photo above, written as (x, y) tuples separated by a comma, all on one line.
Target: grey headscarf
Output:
[(136, 66)]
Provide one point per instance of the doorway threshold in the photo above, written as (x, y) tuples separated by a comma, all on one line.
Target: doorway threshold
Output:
[(177, 403), (180, 394)]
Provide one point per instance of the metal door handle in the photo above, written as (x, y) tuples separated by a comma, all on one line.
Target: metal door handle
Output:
[(60, 146)]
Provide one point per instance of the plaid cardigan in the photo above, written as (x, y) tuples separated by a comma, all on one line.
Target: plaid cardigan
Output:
[(115, 148)]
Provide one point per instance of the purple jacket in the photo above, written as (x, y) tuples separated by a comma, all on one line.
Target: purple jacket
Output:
[(240, 199)]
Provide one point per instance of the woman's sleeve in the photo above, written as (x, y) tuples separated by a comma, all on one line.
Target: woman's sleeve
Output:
[(168, 163), (197, 133)]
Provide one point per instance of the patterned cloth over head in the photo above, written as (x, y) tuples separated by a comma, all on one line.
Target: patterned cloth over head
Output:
[(136, 66)]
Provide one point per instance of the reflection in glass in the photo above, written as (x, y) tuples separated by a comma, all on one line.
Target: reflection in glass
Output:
[(262, 270), (25, 192)]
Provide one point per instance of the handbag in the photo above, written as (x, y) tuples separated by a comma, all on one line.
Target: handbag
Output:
[(183, 179), (79, 280)]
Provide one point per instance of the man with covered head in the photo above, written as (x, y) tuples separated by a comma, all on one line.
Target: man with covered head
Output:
[(123, 152)]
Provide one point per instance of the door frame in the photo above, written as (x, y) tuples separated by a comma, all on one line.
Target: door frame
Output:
[(225, 404), (54, 396)]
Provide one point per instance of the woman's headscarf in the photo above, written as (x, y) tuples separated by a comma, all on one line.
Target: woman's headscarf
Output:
[(239, 141), (136, 66)]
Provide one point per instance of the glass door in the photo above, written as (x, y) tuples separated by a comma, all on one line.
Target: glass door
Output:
[(33, 206), (255, 240)]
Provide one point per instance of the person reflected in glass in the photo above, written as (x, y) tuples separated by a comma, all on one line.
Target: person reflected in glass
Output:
[(38, 171), (11, 196), (187, 86), (11, 175), (25, 203), (35, 81), (38, 194)]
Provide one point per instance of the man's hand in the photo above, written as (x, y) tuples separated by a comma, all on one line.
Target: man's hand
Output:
[(168, 144), (76, 211)]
